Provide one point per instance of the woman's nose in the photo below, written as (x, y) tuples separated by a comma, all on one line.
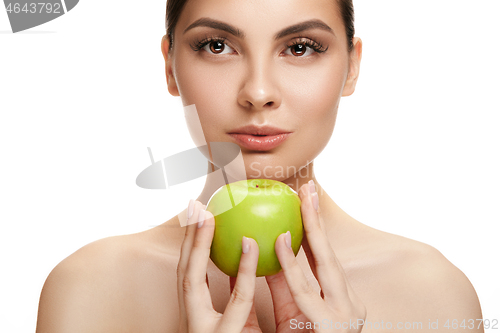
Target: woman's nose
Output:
[(259, 89)]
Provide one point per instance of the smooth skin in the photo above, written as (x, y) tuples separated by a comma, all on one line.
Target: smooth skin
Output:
[(156, 280)]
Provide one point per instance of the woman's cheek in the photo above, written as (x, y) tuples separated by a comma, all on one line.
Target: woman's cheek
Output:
[(315, 106), (208, 87), (316, 99)]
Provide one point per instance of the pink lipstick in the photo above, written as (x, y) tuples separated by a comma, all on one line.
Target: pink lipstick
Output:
[(260, 138)]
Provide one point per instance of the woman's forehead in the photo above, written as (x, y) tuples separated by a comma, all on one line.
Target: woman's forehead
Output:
[(261, 16)]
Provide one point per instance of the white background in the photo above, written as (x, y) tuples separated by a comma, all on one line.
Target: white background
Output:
[(415, 151)]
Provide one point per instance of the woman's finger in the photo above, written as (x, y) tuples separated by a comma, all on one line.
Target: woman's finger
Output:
[(252, 321), (242, 297), (196, 294), (308, 302), (193, 209), (327, 268), (281, 296), (310, 259), (309, 256)]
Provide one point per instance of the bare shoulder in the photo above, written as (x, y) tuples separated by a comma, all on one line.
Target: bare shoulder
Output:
[(436, 278), (115, 284), (415, 281)]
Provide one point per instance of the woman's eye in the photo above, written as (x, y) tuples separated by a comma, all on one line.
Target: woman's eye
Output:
[(300, 50), (217, 47)]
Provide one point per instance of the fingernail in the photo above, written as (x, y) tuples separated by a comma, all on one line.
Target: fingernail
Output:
[(312, 187), (288, 239), (190, 208), (201, 218), (315, 200), (245, 244)]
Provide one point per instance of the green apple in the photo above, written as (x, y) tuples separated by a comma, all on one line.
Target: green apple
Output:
[(261, 209)]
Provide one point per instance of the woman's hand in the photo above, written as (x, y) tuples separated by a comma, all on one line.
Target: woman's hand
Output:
[(295, 302), (195, 305)]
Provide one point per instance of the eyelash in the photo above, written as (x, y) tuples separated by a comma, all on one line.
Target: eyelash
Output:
[(316, 46), (199, 44)]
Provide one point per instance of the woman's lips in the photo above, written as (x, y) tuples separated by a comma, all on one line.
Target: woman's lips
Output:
[(259, 142)]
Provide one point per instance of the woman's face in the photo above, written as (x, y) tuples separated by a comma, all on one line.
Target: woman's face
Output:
[(256, 75)]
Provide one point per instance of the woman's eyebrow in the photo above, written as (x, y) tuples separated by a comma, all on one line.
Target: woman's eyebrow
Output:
[(211, 23), (296, 28), (306, 25)]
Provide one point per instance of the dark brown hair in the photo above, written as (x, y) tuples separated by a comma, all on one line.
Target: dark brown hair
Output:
[(174, 9)]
